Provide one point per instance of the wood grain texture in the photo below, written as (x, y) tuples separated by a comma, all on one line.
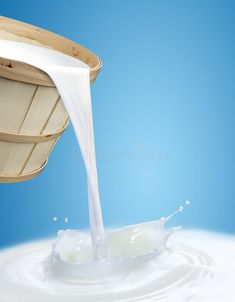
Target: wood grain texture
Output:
[(15, 99), (40, 110)]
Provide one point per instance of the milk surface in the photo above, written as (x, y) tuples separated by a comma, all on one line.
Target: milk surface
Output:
[(182, 273)]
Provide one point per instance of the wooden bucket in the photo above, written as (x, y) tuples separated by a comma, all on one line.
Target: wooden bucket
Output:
[(32, 115)]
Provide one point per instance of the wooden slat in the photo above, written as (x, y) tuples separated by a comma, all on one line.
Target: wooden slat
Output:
[(40, 110), (13, 156), (41, 151), (5, 149), (57, 120), (15, 98), (39, 156)]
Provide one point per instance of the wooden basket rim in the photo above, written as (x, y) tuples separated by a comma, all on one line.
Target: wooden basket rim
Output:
[(47, 39)]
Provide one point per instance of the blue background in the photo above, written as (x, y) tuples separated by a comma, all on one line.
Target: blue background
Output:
[(164, 115)]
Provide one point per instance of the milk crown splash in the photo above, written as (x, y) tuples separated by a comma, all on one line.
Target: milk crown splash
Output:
[(72, 256), (71, 78)]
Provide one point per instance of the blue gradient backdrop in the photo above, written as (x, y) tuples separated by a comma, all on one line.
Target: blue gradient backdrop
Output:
[(164, 115)]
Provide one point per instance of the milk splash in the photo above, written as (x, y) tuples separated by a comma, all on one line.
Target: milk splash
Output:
[(73, 257)]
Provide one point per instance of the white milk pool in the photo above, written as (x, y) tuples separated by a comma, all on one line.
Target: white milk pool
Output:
[(182, 273)]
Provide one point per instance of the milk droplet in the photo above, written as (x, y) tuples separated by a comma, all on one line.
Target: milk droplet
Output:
[(66, 220), (187, 202), (54, 219), (181, 208)]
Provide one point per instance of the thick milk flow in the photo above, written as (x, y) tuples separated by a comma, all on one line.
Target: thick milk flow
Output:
[(134, 263), (71, 78)]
